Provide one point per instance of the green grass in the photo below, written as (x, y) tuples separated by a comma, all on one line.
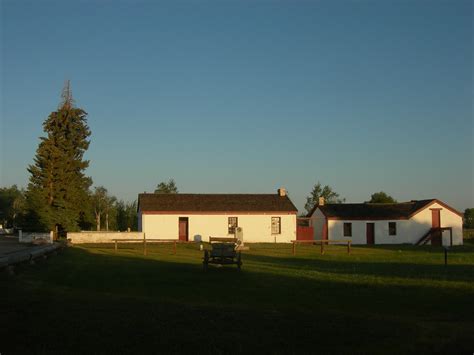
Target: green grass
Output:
[(397, 299)]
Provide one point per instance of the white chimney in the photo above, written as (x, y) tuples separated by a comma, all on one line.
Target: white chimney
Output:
[(321, 201), (282, 191)]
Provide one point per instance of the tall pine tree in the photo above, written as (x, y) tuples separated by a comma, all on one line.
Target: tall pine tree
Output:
[(58, 187)]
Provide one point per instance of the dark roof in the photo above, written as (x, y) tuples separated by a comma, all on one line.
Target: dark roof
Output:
[(215, 203), (373, 211)]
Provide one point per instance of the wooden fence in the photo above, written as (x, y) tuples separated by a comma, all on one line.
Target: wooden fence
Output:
[(322, 242)]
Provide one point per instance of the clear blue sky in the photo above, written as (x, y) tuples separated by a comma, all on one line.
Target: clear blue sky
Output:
[(247, 96)]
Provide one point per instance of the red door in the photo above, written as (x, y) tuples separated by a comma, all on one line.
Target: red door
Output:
[(183, 228), (436, 223), (370, 233)]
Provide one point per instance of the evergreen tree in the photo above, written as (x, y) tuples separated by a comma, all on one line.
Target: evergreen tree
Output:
[(58, 187)]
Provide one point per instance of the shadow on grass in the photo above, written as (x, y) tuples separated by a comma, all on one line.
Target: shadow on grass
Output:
[(402, 269), (85, 302), (468, 247)]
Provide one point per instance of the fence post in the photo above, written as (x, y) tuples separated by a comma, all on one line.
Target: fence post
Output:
[(20, 235), (51, 237), (144, 244)]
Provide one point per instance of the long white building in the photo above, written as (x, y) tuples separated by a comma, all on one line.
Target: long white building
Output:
[(188, 217), (415, 222)]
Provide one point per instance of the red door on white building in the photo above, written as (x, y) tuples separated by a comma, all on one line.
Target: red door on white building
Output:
[(183, 229), (436, 223)]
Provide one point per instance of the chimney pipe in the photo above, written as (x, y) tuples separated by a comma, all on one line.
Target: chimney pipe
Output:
[(282, 191), (321, 201)]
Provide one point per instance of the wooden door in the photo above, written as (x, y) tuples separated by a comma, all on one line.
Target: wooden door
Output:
[(183, 229), (370, 233), (436, 223)]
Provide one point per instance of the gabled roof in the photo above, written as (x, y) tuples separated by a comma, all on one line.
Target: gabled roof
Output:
[(148, 202), (375, 211)]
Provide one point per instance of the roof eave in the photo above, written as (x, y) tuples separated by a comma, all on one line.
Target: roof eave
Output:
[(432, 202)]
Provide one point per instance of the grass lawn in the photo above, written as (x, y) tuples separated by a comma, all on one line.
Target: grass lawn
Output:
[(384, 299)]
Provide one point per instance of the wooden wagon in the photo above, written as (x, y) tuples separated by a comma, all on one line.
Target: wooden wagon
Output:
[(222, 253)]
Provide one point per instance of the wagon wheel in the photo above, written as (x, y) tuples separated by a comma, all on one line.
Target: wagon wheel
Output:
[(205, 261), (239, 261)]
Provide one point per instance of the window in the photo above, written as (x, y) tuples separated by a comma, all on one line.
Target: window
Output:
[(276, 225), (233, 223), (347, 229), (392, 228)]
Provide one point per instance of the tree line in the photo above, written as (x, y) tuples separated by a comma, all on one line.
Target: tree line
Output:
[(101, 210), (60, 196), (331, 196)]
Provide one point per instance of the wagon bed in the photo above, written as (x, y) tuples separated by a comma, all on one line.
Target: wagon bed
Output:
[(222, 253)]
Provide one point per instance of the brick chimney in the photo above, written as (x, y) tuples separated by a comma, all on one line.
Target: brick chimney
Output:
[(282, 191), (321, 201)]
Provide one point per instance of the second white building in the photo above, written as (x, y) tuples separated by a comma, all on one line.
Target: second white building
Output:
[(414, 222)]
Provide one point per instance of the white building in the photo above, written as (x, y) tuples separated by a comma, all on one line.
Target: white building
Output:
[(187, 217), (415, 222)]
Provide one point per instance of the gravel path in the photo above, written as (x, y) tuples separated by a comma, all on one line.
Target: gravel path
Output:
[(10, 245)]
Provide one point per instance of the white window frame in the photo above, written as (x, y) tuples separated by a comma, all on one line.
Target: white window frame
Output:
[(232, 226), (390, 234), (272, 225), (344, 229)]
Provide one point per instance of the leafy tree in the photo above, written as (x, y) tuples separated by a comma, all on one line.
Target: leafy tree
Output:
[(111, 213), (166, 187), (381, 197), (330, 196), (469, 218), (104, 208), (58, 188), (98, 199), (127, 215), (12, 206)]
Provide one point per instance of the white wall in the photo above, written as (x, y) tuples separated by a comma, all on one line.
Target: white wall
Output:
[(31, 236), (102, 237), (448, 219), (317, 221), (408, 231), (256, 227)]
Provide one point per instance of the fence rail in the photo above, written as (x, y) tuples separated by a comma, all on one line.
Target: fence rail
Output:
[(145, 241), (322, 242)]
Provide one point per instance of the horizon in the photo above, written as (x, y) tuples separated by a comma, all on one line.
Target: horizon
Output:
[(247, 97)]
